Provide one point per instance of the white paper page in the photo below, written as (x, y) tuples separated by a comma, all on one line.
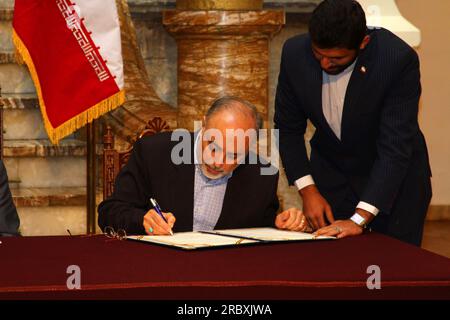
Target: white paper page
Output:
[(271, 234), (192, 240)]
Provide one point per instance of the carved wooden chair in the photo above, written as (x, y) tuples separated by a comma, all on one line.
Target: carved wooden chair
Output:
[(114, 160)]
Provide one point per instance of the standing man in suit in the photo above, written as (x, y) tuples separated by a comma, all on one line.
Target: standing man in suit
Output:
[(9, 220), (360, 88), (216, 188)]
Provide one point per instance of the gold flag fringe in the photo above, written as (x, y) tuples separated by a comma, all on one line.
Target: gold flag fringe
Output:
[(78, 121), (18, 57)]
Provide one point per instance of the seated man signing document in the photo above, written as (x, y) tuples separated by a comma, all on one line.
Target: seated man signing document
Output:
[(206, 183)]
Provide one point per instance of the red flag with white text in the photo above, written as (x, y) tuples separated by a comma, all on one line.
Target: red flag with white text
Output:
[(73, 52)]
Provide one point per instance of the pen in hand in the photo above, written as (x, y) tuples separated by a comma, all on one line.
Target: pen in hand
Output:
[(159, 211)]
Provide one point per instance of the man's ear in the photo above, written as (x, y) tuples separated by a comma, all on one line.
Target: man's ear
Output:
[(365, 42)]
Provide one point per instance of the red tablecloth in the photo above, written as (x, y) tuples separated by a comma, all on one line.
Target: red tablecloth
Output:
[(35, 267)]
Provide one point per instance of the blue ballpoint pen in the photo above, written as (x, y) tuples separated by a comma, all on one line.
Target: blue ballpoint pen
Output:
[(158, 210)]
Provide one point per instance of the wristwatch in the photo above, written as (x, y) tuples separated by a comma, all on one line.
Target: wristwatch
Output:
[(359, 220)]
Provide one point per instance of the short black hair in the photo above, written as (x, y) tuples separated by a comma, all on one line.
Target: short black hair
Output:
[(338, 24)]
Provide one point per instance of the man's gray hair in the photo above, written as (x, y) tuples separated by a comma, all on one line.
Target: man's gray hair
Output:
[(235, 103)]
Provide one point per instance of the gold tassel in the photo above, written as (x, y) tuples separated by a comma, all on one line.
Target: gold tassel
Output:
[(78, 121)]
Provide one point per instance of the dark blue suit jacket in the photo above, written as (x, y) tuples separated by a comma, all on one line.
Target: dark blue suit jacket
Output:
[(250, 199), (381, 147), (9, 220)]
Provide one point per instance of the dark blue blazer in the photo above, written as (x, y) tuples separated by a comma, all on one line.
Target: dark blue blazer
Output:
[(9, 220), (381, 145), (250, 199)]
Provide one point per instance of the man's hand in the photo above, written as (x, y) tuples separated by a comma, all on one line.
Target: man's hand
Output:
[(155, 225), (345, 228), (340, 229), (315, 207), (292, 219)]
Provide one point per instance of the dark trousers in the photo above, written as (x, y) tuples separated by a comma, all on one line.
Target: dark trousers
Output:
[(406, 220)]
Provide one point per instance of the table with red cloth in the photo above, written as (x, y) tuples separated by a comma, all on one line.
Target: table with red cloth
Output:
[(36, 267)]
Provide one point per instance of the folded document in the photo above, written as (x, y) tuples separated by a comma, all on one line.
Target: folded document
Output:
[(229, 237)]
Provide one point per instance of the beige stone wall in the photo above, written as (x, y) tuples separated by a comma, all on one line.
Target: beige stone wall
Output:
[(432, 17)]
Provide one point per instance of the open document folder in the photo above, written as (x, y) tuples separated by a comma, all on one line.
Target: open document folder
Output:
[(229, 237)]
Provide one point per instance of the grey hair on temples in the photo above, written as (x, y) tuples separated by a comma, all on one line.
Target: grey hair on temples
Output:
[(236, 103)]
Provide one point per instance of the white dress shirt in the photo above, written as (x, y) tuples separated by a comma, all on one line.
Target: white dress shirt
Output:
[(334, 88)]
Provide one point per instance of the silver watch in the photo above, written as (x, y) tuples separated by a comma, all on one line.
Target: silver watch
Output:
[(359, 220)]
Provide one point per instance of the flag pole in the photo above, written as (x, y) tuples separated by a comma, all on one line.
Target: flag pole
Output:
[(91, 178)]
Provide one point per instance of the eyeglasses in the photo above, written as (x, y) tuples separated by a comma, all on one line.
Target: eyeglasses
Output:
[(111, 233)]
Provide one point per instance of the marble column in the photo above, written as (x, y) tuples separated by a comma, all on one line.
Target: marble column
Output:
[(223, 49)]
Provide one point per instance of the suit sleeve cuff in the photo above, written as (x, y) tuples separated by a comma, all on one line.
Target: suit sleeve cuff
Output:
[(368, 207), (304, 182)]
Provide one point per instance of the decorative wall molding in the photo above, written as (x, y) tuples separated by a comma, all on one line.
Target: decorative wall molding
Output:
[(384, 13), (438, 212)]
